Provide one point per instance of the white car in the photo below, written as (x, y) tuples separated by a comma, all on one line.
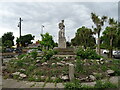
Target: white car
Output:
[(31, 50), (105, 51), (116, 54)]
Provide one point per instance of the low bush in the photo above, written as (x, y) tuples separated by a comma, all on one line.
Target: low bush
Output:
[(48, 54), (98, 76), (73, 85), (21, 56), (100, 84), (34, 54), (19, 63), (87, 53), (79, 66)]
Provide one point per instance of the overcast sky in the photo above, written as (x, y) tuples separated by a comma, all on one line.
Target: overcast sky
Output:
[(49, 14)]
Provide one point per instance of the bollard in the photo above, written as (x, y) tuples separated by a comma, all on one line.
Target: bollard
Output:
[(71, 72)]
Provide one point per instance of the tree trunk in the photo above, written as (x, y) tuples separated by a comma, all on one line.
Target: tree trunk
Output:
[(111, 50), (99, 52)]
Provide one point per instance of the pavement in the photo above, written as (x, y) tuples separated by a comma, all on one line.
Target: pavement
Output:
[(10, 83)]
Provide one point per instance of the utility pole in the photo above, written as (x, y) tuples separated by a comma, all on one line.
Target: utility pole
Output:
[(19, 25), (20, 46)]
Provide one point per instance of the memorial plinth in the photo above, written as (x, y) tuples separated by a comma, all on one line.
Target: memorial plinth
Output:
[(62, 49)]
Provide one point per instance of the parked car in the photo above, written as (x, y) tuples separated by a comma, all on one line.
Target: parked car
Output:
[(116, 54), (37, 50), (9, 50), (105, 51)]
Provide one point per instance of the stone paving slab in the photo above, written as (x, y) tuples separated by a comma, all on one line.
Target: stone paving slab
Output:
[(10, 83), (50, 85), (60, 85)]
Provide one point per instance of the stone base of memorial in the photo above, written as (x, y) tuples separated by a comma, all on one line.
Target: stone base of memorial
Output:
[(62, 42), (65, 51)]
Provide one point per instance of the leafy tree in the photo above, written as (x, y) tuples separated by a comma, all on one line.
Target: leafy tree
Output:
[(25, 40), (84, 37), (68, 44), (118, 36), (110, 36), (47, 41), (8, 37), (8, 43), (99, 22)]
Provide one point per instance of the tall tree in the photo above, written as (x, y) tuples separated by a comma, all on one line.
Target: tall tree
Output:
[(47, 41), (110, 37), (99, 22), (118, 36), (84, 37), (8, 37), (25, 40)]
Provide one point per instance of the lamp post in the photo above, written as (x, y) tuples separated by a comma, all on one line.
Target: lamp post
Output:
[(42, 29)]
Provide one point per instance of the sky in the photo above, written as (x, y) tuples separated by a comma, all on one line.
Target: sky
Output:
[(50, 14)]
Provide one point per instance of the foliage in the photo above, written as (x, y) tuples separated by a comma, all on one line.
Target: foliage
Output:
[(47, 41), (79, 66), (68, 44), (73, 85), (98, 76), (25, 40), (116, 67), (100, 84), (7, 39), (99, 22), (34, 54), (109, 38), (87, 53), (84, 37), (8, 43), (19, 63), (21, 56), (48, 54), (104, 68)]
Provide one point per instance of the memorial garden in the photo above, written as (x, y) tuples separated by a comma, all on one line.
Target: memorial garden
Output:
[(78, 65)]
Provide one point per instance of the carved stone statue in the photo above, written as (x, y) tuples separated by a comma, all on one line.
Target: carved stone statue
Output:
[(62, 40), (62, 29)]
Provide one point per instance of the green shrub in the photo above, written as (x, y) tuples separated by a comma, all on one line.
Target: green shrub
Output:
[(21, 56), (104, 68), (98, 76), (100, 84), (72, 85), (48, 54), (34, 54), (31, 68), (19, 63), (116, 67), (57, 80), (86, 87), (79, 66), (87, 53), (31, 78)]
